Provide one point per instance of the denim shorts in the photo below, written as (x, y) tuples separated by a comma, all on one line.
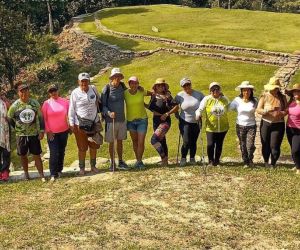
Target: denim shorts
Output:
[(138, 125)]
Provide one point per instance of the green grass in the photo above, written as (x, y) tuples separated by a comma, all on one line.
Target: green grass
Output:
[(296, 77), (158, 208), (255, 29)]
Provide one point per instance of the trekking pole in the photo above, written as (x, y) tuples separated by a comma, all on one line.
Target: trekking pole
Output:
[(113, 153), (202, 152), (177, 156)]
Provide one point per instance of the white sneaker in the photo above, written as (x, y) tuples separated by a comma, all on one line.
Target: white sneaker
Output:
[(182, 162), (52, 179)]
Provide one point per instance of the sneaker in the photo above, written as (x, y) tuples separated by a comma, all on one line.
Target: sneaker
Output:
[(182, 162), (52, 179), (267, 165), (59, 174), (139, 165), (294, 169), (298, 171), (193, 161), (43, 179), (246, 166), (112, 168), (210, 164), (95, 170), (123, 165), (165, 161), (0, 176), (82, 172)]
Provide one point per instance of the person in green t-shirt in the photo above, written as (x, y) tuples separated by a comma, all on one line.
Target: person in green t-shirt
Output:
[(25, 116), (214, 107), (137, 120)]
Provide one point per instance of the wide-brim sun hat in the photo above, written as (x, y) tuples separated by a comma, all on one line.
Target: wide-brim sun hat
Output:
[(185, 81), (133, 79), (213, 84), (244, 85), (160, 81), (273, 83), (116, 72), (83, 76), (295, 87)]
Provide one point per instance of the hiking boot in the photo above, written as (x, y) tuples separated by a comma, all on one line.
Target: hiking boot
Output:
[(123, 165), (192, 161), (182, 162)]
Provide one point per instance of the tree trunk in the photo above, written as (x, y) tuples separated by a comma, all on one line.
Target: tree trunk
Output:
[(218, 3), (229, 4), (261, 4), (50, 18)]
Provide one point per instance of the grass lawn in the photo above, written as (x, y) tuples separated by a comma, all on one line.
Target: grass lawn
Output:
[(256, 29), (296, 77), (160, 208)]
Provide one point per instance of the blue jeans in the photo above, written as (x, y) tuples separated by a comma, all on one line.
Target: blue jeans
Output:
[(57, 152)]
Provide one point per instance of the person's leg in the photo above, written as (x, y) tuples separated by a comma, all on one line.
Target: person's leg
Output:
[(63, 140), (159, 137), (250, 143), (210, 147), (39, 164), (296, 149), (193, 137), (241, 132), (24, 163), (185, 130), (54, 155), (141, 146), (22, 150), (277, 135), (134, 138), (265, 136), (219, 146), (289, 135), (5, 164), (93, 156), (1, 161)]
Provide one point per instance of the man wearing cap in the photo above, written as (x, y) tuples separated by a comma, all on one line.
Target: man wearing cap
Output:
[(25, 115), (83, 107), (55, 114), (113, 111)]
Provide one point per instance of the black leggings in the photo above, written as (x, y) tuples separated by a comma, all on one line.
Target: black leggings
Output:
[(4, 159), (271, 135), (189, 132), (214, 146), (293, 135)]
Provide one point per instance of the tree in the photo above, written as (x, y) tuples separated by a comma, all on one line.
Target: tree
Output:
[(13, 44)]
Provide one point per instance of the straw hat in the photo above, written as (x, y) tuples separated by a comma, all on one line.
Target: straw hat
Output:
[(295, 87), (160, 81), (273, 83), (244, 85)]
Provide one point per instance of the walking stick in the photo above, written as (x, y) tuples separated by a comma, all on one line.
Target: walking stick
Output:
[(202, 152), (178, 148), (113, 153)]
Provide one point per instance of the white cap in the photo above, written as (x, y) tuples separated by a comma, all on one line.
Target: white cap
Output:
[(116, 71), (184, 81), (214, 84), (244, 85), (83, 76)]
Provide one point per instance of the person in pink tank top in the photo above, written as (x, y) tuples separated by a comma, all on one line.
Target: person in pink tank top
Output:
[(55, 113), (293, 124)]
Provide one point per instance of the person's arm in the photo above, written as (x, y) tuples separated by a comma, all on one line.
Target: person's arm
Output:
[(233, 105), (72, 112), (172, 111), (284, 112), (44, 113), (261, 107), (104, 97), (10, 116), (201, 108), (40, 122)]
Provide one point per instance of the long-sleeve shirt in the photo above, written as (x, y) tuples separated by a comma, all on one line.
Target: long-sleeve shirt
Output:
[(84, 105), (27, 117), (215, 111), (55, 114), (245, 110)]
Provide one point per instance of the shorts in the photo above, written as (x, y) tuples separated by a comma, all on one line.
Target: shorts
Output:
[(28, 143), (120, 131), (138, 125), (83, 144)]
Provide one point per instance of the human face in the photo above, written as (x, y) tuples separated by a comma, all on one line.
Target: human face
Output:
[(160, 88), (215, 91), (133, 85), (84, 85), (296, 94), (187, 88), (115, 80), (274, 91), (246, 93), (23, 94), (53, 93)]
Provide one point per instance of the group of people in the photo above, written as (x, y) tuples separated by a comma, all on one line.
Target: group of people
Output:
[(79, 114)]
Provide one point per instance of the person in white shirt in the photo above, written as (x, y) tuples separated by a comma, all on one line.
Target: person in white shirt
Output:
[(245, 104), (83, 111)]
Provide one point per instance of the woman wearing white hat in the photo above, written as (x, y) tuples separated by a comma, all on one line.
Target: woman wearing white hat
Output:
[(214, 107), (293, 124), (272, 106), (245, 105)]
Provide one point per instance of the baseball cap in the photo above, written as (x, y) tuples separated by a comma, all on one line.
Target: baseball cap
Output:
[(184, 81), (52, 87), (83, 76)]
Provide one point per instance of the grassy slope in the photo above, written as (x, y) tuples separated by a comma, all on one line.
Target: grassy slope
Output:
[(242, 28)]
